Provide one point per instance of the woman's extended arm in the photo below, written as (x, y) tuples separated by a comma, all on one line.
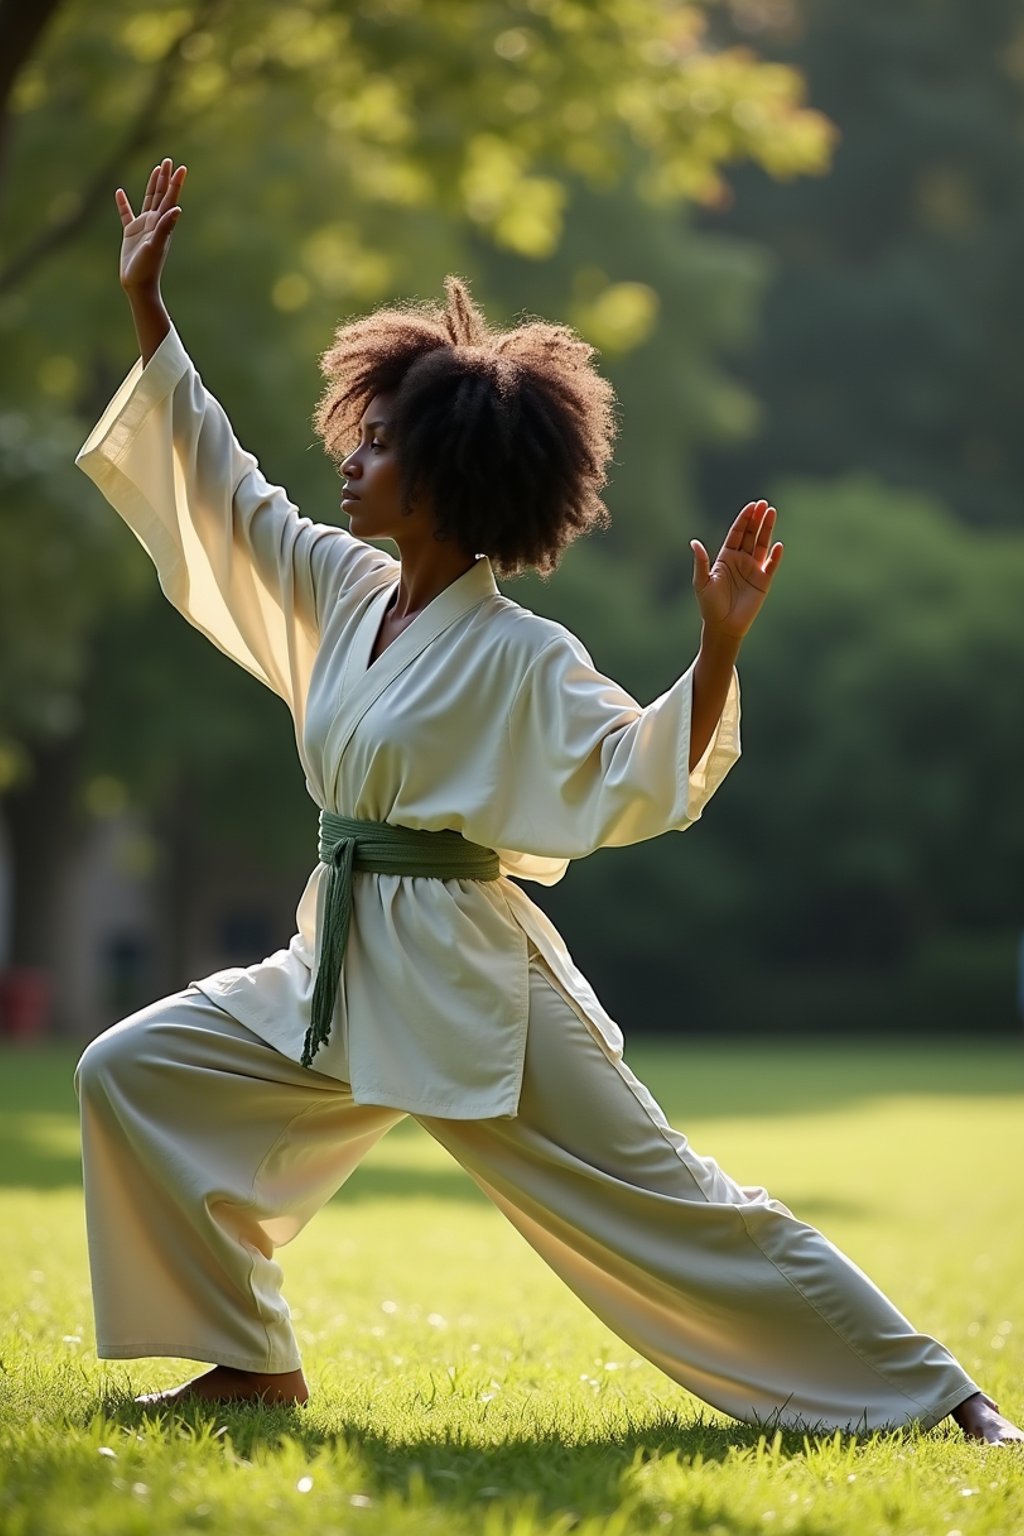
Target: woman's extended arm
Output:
[(152, 323), (586, 766), (144, 243), (231, 551), (730, 594), (712, 674)]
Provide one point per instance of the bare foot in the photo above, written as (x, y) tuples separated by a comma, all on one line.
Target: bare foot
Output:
[(980, 1419), (225, 1384)]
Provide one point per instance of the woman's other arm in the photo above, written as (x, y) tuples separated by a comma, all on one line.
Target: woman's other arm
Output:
[(588, 767), (729, 594), (712, 674)]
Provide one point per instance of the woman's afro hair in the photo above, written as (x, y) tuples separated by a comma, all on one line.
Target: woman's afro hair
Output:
[(506, 433)]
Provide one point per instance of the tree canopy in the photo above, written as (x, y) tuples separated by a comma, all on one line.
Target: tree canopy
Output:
[(653, 173)]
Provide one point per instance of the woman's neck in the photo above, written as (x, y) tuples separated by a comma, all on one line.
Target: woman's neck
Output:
[(425, 572)]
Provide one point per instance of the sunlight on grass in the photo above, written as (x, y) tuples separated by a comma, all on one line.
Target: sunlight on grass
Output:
[(41, 1133), (458, 1387)]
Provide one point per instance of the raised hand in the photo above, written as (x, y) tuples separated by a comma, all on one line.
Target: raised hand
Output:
[(730, 592), (146, 234)]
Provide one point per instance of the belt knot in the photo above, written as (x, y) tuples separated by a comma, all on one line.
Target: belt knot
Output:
[(346, 845)]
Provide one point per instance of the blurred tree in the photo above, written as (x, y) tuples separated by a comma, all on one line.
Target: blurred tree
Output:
[(889, 344), (360, 151), (475, 110), (921, 644), (893, 330), (21, 27), (861, 866)]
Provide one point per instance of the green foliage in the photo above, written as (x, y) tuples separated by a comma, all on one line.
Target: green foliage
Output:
[(478, 110), (902, 626), (61, 565), (458, 1387), (875, 812), (339, 155), (865, 847), (892, 333)]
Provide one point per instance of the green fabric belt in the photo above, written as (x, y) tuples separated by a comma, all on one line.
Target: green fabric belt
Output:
[(346, 845)]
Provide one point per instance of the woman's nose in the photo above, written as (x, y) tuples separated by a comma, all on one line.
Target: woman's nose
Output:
[(350, 467)]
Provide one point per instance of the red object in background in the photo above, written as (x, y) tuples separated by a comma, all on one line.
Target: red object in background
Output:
[(24, 1003)]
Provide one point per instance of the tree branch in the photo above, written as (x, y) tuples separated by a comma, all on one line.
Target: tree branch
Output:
[(22, 23), (140, 131)]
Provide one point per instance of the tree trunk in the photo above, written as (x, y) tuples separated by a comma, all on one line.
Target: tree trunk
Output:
[(22, 23), (45, 827)]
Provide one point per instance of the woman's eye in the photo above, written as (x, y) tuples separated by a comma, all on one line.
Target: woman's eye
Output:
[(377, 443)]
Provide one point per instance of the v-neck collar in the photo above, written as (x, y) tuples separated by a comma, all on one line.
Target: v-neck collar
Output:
[(469, 588), (363, 683)]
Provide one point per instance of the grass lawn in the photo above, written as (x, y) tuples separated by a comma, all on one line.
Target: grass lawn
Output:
[(458, 1387)]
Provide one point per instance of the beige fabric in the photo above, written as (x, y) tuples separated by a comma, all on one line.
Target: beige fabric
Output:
[(204, 1149), (481, 717)]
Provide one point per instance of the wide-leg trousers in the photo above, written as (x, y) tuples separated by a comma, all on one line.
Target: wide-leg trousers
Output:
[(205, 1149)]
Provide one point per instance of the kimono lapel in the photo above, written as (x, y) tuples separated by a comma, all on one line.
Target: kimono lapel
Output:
[(363, 684), (357, 658)]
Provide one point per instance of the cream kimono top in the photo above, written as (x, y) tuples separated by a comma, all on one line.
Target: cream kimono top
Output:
[(481, 716)]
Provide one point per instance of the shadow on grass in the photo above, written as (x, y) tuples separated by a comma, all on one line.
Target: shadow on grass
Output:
[(26, 1162), (25, 1165), (553, 1473)]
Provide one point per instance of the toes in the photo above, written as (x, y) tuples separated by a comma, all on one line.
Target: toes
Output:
[(158, 1399)]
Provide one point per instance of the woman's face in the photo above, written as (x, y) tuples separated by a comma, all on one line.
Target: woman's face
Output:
[(372, 495)]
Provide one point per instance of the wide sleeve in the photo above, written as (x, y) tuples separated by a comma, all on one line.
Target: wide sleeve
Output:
[(591, 768), (231, 551)]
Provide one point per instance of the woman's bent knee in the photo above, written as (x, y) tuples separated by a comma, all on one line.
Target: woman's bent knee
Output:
[(105, 1057), (112, 1056)]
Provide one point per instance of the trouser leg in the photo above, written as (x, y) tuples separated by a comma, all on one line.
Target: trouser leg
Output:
[(203, 1149), (720, 1286)]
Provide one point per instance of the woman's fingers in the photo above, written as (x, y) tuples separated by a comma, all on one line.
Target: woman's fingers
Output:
[(734, 538), (754, 529), (751, 533), (151, 187), (172, 190), (162, 192), (755, 535), (764, 533), (165, 228), (163, 186)]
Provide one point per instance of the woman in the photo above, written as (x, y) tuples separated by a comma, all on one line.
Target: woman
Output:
[(451, 739)]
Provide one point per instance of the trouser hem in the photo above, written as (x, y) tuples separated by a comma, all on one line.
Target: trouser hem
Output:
[(948, 1403), (148, 1347), (927, 1419)]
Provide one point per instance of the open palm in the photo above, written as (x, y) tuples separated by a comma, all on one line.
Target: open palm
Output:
[(145, 234), (730, 592)]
